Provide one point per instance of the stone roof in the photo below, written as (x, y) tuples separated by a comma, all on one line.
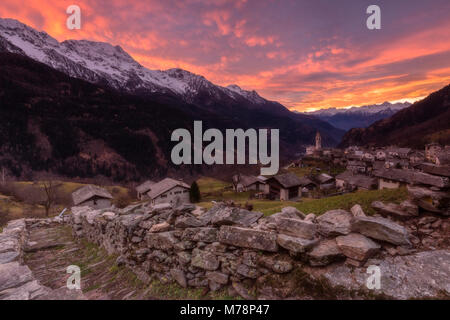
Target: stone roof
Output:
[(304, 181), (436, 170), (164, 186), (323, 178), (145, 187), (358, 180), (88, 192), (412, 177), (287, 180), (248, 180), (395, 175)]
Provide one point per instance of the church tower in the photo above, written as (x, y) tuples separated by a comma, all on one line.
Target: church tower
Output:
[(318, 141)]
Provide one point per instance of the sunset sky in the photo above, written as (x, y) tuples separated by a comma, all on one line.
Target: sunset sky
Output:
[(305, 54)]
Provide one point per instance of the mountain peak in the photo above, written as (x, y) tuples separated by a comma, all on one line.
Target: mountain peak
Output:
[(101, 61)]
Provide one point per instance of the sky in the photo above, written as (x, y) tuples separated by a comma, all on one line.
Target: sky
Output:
[(306, 54)]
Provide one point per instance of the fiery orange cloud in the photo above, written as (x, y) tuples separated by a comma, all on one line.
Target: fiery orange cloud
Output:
[(293, 52)]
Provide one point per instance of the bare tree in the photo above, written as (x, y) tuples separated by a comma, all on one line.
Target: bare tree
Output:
[(3, 176), (50, 188)]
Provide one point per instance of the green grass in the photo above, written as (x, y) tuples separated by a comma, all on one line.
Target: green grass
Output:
[(319, 206)]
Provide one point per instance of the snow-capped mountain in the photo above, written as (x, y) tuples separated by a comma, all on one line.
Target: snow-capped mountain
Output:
[(368, 109), (100, 62), (358, 117)]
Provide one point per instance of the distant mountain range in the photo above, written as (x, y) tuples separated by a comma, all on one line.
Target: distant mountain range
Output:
[(82, 108), (358, 117), (424, 121)]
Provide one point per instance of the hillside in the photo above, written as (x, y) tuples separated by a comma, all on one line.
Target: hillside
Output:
[(423, 122), (73, 128)]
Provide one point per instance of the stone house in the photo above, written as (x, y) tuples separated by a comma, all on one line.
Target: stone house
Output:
[(350, 181), (169, 191), (92, 196), (285, 186), (393, 178), (325, 181), (143, 189), (248, 183), (356, 166)]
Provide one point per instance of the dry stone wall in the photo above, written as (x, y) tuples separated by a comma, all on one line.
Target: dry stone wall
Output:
[(252, 255)]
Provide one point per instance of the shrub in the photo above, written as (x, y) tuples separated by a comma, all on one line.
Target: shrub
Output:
[(194, 193)]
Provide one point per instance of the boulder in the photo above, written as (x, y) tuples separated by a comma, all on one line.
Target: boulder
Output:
[(276, 263), (217, 277), (161, 240), (430, 200), (422, 275), (204, 260), (291, 212), (357, 211), (325, 253), (179, 276), (393, 210), (311, 217), (381, 229), (297, 228), (184, 222), (248, 238), (248, 272), (160, 227), (233, 216), (296, 245), (203, 234), (357, 247), (335, 223)]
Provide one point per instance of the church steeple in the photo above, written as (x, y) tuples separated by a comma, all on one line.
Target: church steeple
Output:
[(318, 141)]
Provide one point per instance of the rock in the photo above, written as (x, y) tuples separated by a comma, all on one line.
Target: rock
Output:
[(297, 228), (161, 240), (160, 227), (179, 276), (357, 247), (217, 277), (247, 271), (423, 275), (429, 200), (410, 207), (276, 263), (357, 211), (242, 291), (296, 245), (234, 215), (381, 229), (203, 234), (157, 208), (214, 286), (204, 260), (392, 209), (248, 238), (325, 253), (311, 217), (184, 222), (184, 257), (335, 223), (291, 212)]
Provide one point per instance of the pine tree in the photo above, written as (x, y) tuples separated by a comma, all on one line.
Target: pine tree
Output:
[(194, 193)]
